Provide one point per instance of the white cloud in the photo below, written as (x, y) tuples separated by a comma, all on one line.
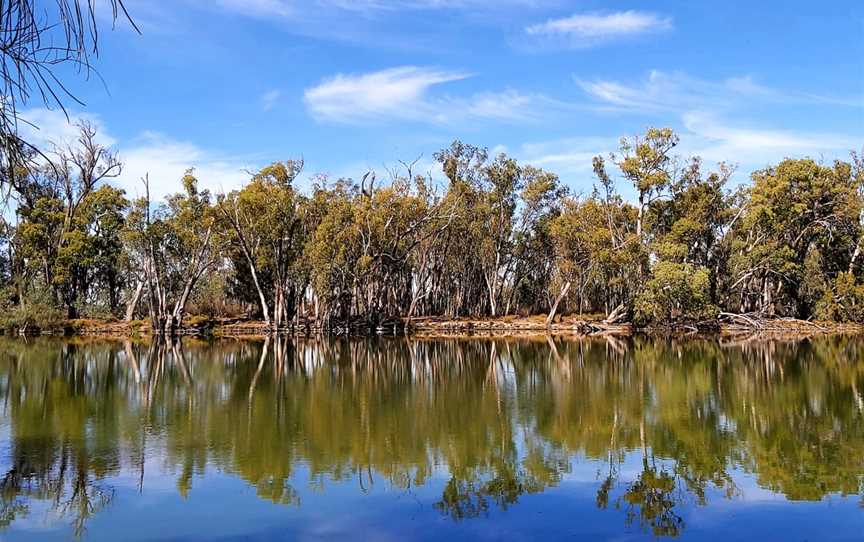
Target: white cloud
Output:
[(570, 157), (677, 91), (716, 139), (706, 110), (45, 128), (395, 92), (165, 160), (718, 121), (269, 99), (507, 105), (590, 29), (405, 93), (663, 91)]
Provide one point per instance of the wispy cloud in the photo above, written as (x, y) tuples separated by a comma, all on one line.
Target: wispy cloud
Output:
[(663, 91), (406, 93), (591, 29), (677, 91), (717, 139), (395, 92), (706, 135), (269, 99), (291, 8), (569, 157), (720, 120), (47, 128)]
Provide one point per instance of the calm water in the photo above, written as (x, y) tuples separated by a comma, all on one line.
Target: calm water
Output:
[(432, 440)]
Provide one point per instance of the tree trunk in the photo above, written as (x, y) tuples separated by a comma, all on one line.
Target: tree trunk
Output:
[(617, 314), (855, 255), (253, 270), (558, 299), (767, 298), (132, 305), (492, 304)]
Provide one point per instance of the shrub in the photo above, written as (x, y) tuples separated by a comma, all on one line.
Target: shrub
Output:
[(843, 302), (676, 293), (36, 310)]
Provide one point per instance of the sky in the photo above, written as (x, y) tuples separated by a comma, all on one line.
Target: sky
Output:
[(227, 86)]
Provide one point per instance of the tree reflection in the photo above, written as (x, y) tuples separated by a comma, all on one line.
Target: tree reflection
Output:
[(499, 419)]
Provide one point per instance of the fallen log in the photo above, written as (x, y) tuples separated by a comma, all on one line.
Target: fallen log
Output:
[(751, 322), (618, 315)]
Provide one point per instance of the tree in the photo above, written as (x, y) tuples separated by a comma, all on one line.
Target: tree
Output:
[(61, 214), (791, 210), (370, 254), (596, 251), (647, 164), (541, 200), (87, 264), (266, 219), (175, 246)]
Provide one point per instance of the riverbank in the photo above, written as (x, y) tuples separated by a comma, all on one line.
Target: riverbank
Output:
[(583, 325)]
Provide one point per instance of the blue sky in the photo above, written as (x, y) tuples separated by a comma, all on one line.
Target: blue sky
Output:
[(230, 85)]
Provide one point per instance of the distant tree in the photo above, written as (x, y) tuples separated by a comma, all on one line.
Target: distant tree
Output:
[(648, 164), (64, 220), (796, 209), (175, 245), (265, 222), (596, 253)]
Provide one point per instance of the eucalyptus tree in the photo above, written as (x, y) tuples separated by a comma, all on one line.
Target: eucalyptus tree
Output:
[(333, 252), (687, 242), (494, 218), (594, 250), (65, 220), (501, 212), (647, 163), (461, 278), (540, 202), (86, 268), (266, 223), (365, 254), (796, 209), (175, 244)]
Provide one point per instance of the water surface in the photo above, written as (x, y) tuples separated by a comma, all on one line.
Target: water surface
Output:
[(395, 439)]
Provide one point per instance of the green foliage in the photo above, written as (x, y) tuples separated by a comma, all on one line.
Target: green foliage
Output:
[(267, 227), (36, 310), (497, 237), (596, 250), (675, 294), (172, 248), (790, 210), (844, 301)]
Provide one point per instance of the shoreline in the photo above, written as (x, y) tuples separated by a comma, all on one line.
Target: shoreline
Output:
[(430, 327)]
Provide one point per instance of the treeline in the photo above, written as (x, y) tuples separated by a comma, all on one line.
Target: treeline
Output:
[(496, 238)]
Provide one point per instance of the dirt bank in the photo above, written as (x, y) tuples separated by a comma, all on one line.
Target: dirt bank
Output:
[(438, 326)]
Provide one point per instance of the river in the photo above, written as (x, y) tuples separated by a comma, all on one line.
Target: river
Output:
[(432, 439)]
